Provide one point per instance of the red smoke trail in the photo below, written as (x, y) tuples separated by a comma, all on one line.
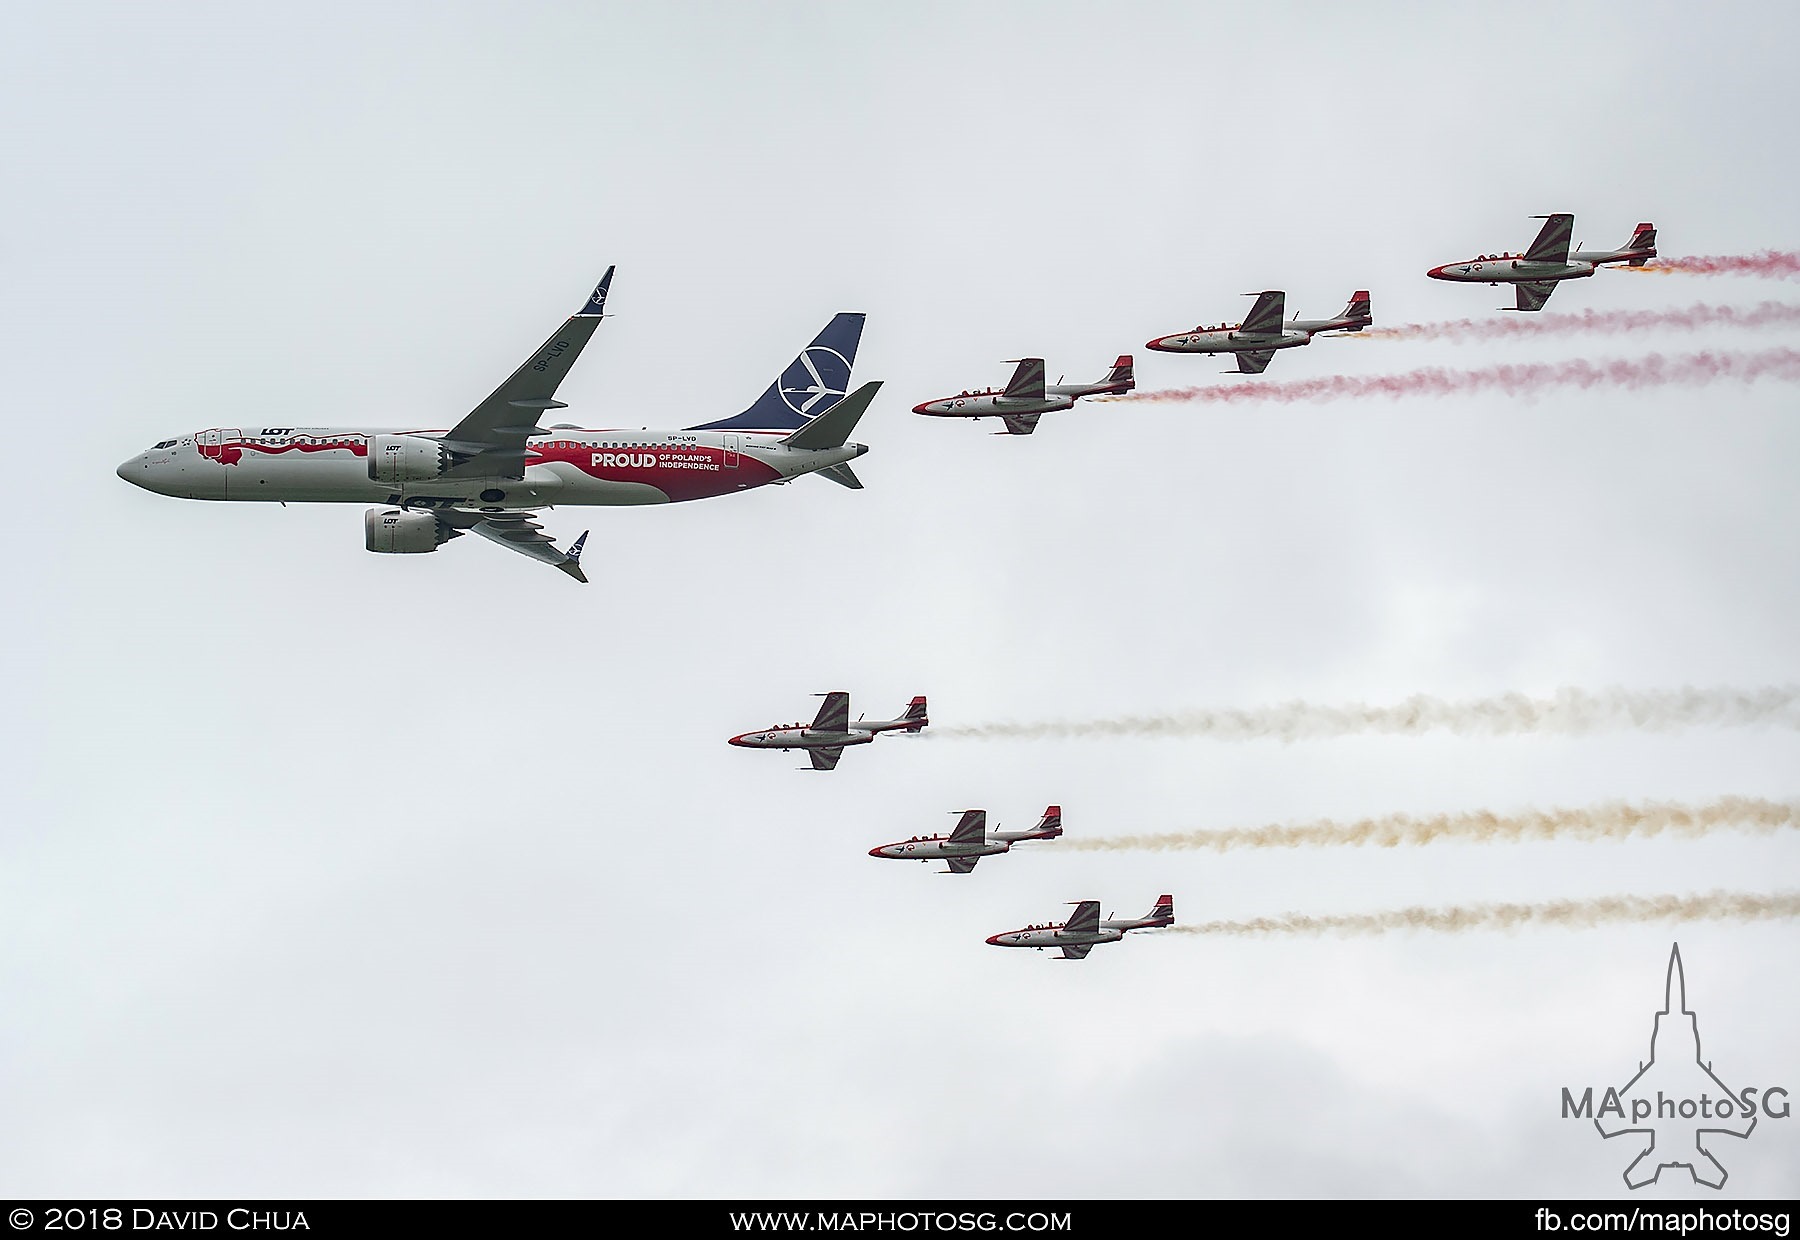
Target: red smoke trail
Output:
[(1600, 322), (1520, 379), (1773, 264)]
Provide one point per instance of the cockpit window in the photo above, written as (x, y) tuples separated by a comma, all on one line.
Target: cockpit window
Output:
[(167, 443)]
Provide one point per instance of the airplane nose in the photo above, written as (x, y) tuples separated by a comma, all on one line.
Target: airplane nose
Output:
[(924, 408), (1156, 344), (736, 740), (995, 940), (1436, 273), (877, 852)]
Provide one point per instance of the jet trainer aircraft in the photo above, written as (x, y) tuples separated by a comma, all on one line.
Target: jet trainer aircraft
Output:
[(1535, 272), (1262, 332), (969, 841), (830, 731), (1026, 397), (1078, 936), (490, 471)]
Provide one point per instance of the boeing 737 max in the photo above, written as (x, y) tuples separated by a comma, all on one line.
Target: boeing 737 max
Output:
[(494, 468)]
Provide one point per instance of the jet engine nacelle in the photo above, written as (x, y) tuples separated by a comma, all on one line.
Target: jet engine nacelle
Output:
[(396, 459), (397, 531)]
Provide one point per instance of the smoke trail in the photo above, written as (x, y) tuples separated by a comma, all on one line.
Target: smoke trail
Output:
[(1570, 712), (1565, 914), (1599, 322), (1773, 264), (1610, 821), (1518, 379)]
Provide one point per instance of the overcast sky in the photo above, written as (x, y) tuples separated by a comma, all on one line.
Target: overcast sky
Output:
[(331, 874)]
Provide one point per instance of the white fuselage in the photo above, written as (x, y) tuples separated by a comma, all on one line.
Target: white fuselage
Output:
[(940, 848), (1228, 340), (1511, 269), (1056, 936), (563, 466)]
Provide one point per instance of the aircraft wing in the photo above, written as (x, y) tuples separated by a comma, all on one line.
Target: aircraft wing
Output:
[(517, 531), (960, 865), (1532, 296), (1254, 361), (971, 828), (1265, 316), (490, 441), (1027, 382), (1076, 951), (825, 759), (1552, 244), (1020, 423), (834, 714), (1086, 918)]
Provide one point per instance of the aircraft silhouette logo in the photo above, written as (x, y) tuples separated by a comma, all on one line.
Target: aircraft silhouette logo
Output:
[(1676, 1107)]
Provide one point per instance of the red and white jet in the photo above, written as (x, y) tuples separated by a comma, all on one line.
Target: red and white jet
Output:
[(969, 841), (1026, 397), (496, 466), (1535, 272), (825, 738), (1082, 932), (1255, 340)]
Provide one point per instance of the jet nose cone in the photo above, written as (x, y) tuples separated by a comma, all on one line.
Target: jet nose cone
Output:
[(928, 407), (1157, 345), (1436, 273), (136, 471), (878, 852), (994, 940), (735, 740)]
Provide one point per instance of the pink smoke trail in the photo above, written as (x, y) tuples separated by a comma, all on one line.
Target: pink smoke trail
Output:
[(1513, 379), (1599, 322), (1772, 264)]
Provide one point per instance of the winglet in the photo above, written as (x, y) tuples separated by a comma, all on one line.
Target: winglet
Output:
[(572, 565), (595, 306)]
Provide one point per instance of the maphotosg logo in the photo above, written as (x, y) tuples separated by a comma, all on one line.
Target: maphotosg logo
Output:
[(1675, 1105)]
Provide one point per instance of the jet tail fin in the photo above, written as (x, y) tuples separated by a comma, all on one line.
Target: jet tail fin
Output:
[(915, 715), (1162, 913), (1121, 373), (1358, 309), (1642, 238), (832, 428), (811, 385), (1050, 825)]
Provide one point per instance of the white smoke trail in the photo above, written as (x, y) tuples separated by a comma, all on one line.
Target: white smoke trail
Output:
[(1614, 820), (1563, 914), (1569, 711)]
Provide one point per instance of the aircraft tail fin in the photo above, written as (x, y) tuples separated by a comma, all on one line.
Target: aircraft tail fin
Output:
[(1050, 825), (1121, 374), (813, 383), (915, 715), (1162, 913), (832, 428), (1643, 238), (1358, 309)]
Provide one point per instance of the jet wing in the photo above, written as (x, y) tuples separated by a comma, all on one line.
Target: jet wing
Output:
[(960, 865), (490, 441), (834, 714), (971, 829), (1027, 382), (1254, 361), (825, 759), (1265, 316), (1532, 296), (1552, 244), (1076, 951), (1086, 918), (517, 531), (1020, 423)]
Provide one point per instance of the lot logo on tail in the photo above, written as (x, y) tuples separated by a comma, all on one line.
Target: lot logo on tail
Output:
[(816, 374), (1675, 1108)]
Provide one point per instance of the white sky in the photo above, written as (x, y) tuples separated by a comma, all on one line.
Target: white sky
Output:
[(329, 874)]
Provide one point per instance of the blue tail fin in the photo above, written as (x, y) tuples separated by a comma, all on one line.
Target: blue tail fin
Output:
[(812, 383)]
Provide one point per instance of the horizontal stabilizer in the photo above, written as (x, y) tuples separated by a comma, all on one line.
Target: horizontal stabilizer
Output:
[(830, 430), (843, 475)]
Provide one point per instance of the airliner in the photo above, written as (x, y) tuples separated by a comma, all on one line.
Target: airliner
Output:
[(491, 471)]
